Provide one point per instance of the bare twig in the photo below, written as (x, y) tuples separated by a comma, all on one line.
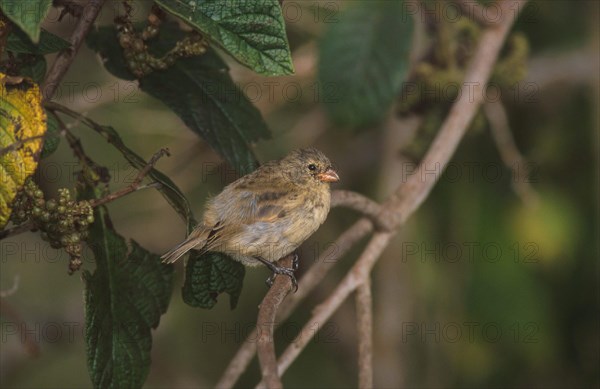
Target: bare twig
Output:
[(74, 142), (266, 324), (479, 13), (404, 202), (15, 146), (135, 185), (512, 158), (66, 57), (411, 195), (579, 67), (323, 312), (364, 321), (360, 203), (307, 283), (16, 230)]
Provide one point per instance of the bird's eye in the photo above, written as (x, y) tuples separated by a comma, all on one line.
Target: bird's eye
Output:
[(312, 167)]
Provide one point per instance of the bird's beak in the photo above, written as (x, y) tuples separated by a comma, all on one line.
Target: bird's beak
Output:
[(328, 175)]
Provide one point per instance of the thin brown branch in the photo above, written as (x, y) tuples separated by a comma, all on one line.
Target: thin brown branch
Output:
[(65, 58), (307, 283), (15, 146), (477, 12), (266, 324), (135, 185), (364, 321), (411, 194), (72, 140), (16, 230), (323, 312), (578, 66), (512, 158), (360, 203)]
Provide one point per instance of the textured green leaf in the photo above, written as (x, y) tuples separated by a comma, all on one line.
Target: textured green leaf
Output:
[(104, 42), (27, 14), (52, 138), (34, 67), (209, 275), (19, 42), (124, 299), (252, 31), (363, 61), (200, 91)]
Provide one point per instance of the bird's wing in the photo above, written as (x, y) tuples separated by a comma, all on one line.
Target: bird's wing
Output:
[(250, 202)]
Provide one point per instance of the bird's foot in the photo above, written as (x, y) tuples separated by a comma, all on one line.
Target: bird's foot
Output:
[(281, 270)]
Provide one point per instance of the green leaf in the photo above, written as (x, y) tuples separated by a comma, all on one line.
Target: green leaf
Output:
[(252, 31), (104, 42), (27, 14), (52, 138), (209, 275), (34, 68), (200, 91), (363, 61), (124, 300), (19, 42)]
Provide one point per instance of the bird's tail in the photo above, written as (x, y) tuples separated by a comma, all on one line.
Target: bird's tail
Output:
[(195, 239)]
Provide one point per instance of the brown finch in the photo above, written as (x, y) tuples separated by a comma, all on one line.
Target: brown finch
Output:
[(265, 215)]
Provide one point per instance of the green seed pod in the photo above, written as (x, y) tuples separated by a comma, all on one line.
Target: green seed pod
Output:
[(36, 211), (63, 225), (138, 45), (141, 57), (51, 205), (61, 209), (152, 31), (125, 40), (90, 219)]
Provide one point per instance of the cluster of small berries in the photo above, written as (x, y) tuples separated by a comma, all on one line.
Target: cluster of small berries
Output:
[(63, 222), (138, 59)]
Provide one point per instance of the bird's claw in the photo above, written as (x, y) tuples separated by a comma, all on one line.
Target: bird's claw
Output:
[(281, 270), (285, 271), (295, 261)]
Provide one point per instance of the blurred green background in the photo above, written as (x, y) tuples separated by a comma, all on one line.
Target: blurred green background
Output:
[(479, 289)]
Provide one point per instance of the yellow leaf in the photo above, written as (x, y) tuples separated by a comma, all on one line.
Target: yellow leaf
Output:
[(22, 127)]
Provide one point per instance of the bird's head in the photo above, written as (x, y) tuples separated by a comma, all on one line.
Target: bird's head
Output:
[(309, 166)]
